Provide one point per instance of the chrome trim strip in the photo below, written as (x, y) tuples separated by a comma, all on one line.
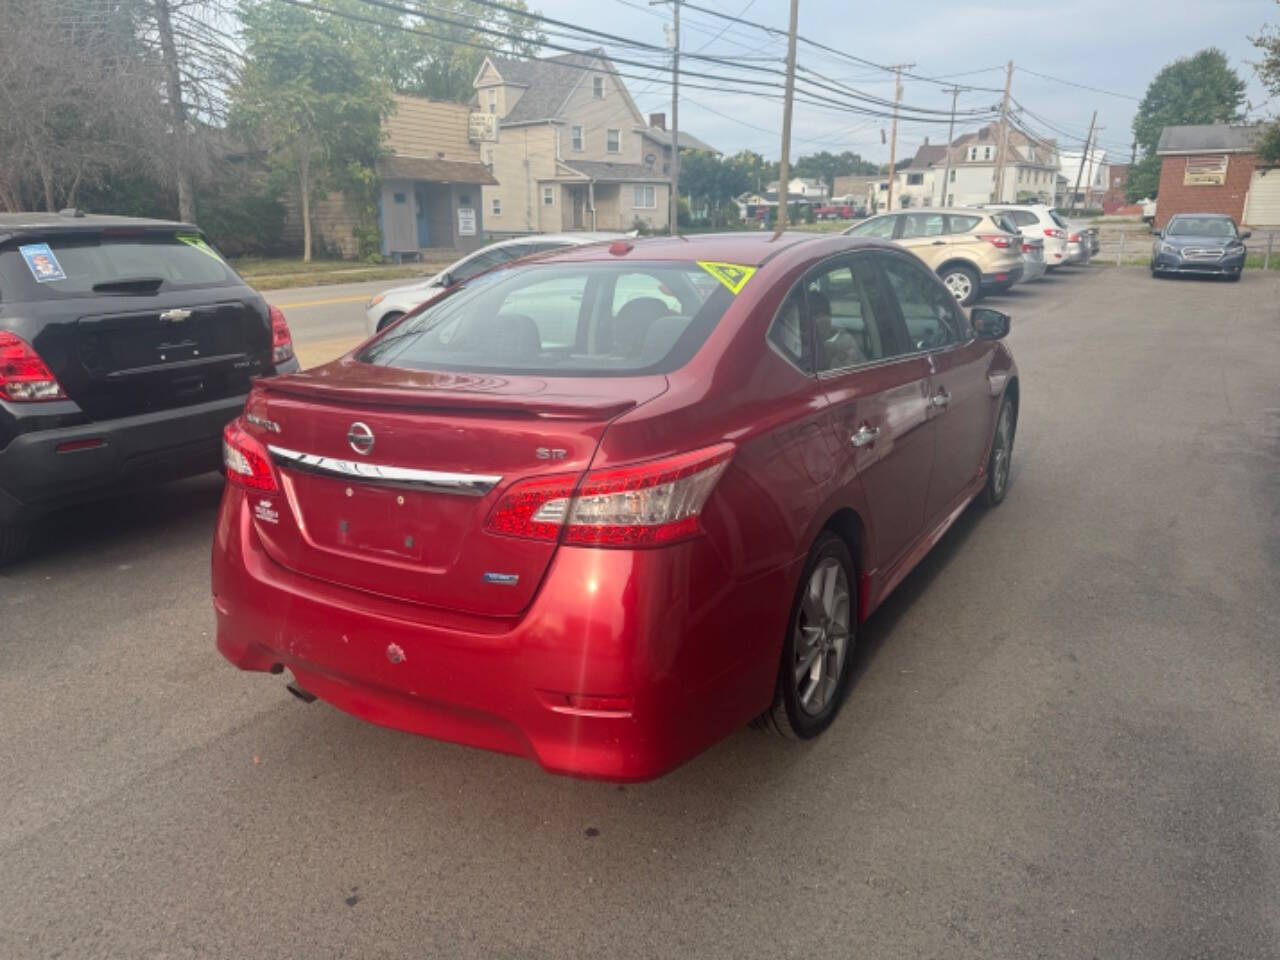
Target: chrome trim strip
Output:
[(435, 481)]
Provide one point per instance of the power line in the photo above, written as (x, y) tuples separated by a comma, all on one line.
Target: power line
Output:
[(1082, 86)]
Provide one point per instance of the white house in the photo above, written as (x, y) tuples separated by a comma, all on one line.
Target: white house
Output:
[(1093, 179), (1030, 174)]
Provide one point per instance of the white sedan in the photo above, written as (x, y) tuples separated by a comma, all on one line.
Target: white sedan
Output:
[(390, 305)]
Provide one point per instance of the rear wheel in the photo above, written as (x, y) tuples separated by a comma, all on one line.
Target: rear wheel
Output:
[(14, 538), (813, 677), (389, 319), (1001, 455), (962, 282)]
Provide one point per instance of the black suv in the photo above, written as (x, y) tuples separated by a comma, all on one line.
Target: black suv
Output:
[(125, 347)]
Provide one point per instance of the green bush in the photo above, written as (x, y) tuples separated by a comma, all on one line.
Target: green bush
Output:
[(241, 219)]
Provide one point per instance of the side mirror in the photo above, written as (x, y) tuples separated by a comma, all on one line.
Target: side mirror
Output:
[(989, 324), (1246, 234)]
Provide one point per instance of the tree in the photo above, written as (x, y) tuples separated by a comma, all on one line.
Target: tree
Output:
[(1198, 89), (756, 172), (312, 92), (77, 100), (705, 177), (827, 166), (199, 60), (446, 68), (1268, 41)]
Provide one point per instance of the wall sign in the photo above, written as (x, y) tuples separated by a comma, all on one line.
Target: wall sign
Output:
[(466, 221)]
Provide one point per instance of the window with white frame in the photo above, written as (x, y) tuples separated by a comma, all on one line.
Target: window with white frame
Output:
[(496, 207), (986, 153), (613, 140), (644, 197), (576, 138), (597, 87), (548, 196), (493, 101), (952, 178)]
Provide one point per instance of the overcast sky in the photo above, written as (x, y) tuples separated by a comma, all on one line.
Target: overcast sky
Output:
[(1114, 45)]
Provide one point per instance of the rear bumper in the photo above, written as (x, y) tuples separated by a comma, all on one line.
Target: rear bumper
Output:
[(42, 470), (643, 628), (1002, 279), (1032, 270)]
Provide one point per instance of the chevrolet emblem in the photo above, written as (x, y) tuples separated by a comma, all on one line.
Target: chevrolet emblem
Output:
[(175, 316)]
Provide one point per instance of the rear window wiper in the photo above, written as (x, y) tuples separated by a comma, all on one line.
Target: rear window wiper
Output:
[(130, 285)]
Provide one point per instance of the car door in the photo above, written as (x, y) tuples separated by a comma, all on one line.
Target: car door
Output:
[(961, 406), (877, 396), (925, 235)]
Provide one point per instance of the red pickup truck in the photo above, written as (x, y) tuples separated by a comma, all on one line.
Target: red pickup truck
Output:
[(844, 212)]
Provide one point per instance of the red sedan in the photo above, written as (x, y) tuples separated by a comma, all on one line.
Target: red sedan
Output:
[(605, 507)]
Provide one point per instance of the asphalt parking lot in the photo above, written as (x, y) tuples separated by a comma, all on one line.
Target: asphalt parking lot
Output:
[(1063, 740)]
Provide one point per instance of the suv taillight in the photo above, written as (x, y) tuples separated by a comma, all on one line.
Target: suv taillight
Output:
[(1074, 238), (24, 376), (1000, 240), (1054, 232), (646, 504), (281, 338), (247, 461)]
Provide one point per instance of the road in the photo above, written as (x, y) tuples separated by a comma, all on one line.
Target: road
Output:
[(1063, 740), (328, 320)]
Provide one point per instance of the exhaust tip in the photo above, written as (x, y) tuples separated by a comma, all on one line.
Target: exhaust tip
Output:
[(306, 696)]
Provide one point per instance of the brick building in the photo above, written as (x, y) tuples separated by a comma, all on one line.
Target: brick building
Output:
[(1208, 168), (1113, 200)]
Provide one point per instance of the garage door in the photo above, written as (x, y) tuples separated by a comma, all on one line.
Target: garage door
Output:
[(1263, 206)]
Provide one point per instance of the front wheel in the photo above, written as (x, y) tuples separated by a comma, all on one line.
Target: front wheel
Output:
[(1001, 455), (963, 284), (813, 677)]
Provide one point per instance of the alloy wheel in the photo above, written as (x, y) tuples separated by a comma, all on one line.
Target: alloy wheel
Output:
[(822, 636), (959, 284)]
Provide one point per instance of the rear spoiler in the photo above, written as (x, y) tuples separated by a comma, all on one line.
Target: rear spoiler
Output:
[(546, 406)]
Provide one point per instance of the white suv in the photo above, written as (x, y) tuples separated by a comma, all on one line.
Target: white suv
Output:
[(1039, 220), (390, 305)]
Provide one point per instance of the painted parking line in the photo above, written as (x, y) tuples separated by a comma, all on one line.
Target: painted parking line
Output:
[(324, 303)]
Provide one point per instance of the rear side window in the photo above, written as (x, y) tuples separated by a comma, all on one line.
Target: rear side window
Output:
[(575, 319), (789, 332), (845, 331), (102, 264), (963, 224), (922, 225), (1024, 218)]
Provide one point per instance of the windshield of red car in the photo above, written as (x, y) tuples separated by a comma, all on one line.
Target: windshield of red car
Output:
[(571, 319)]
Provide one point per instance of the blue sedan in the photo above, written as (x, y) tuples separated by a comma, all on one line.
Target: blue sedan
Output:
[(1208, 243)]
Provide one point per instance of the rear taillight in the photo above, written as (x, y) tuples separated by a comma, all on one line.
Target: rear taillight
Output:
[(24, 377), (1074, 238), (1028, 248), (1054, 232), (1000, 240), (646, 504), (281, 338), (246, 460)]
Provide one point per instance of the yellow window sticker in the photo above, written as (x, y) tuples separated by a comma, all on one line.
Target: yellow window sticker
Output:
[(191, 240), (732, 275)]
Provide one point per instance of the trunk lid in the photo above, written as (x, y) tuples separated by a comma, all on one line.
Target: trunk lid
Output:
[(187, 349), (404, 516)]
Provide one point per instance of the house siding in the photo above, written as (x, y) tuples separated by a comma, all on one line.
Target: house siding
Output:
[(427, 128), (523, 157), (1176, 197), (596, 117)]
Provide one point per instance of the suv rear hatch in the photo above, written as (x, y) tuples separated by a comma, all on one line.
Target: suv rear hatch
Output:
[(141, 319), (388, 479)]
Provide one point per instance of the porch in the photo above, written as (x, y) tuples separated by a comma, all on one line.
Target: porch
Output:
[(430, 205)]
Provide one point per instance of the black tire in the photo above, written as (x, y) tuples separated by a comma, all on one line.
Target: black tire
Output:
[(962, 278), (788, 716), (389, 319), (998, 470), (14, 538)]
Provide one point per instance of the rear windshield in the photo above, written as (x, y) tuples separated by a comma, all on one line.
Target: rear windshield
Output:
[(89, 264), (578, 319), (1200, 227), (1056, 218)]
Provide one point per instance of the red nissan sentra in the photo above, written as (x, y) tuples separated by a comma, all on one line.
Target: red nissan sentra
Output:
[(604, 507)]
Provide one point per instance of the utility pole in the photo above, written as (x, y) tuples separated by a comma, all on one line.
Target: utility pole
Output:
[(893, 136), (674, 211), (1004, 135), (1080, 170), (951, 132), (784, 163)]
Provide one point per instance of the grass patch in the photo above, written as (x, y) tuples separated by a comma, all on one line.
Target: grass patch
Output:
[(277, 273)]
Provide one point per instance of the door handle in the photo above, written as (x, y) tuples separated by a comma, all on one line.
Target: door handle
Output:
[(938, 243), (940, 399), (864, 436)]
